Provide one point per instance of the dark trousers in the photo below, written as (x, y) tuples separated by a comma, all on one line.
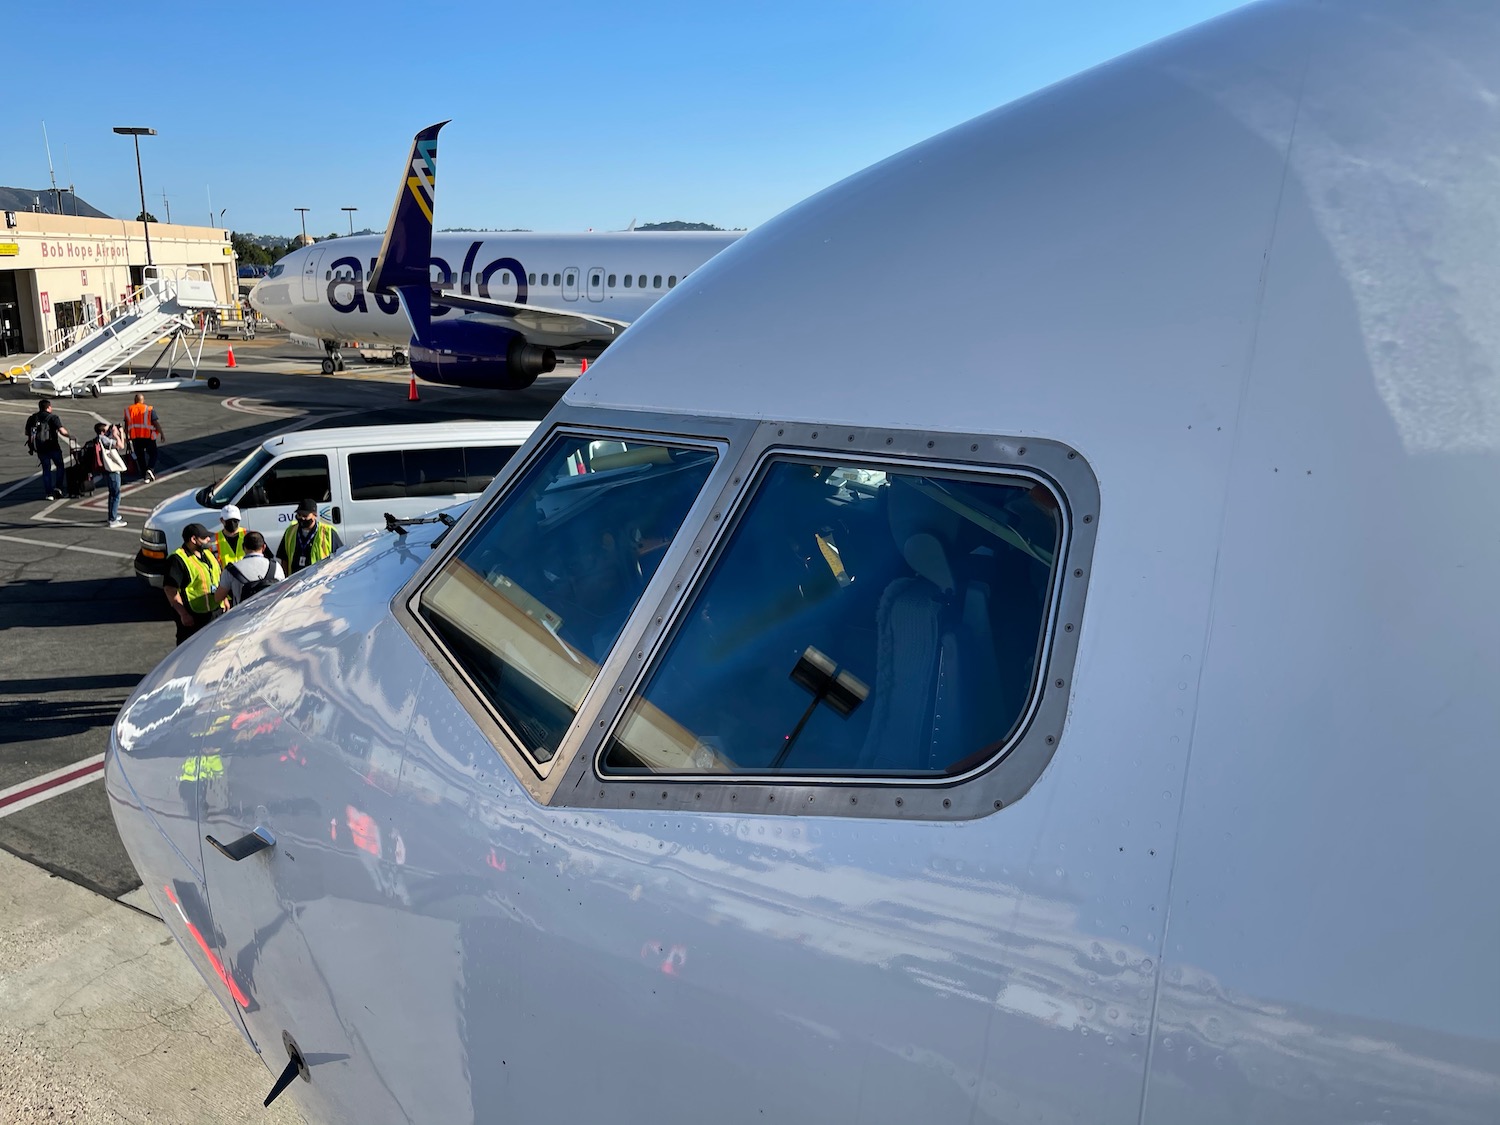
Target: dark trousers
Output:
[(186, 631), (52, 460), (144, 449)]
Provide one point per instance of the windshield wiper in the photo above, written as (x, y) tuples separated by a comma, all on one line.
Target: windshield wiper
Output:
[(399, 526)]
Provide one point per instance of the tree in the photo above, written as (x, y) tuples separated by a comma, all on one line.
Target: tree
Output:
[(145, 217)]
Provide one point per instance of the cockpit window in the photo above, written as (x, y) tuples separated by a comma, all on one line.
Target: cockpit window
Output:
[(277, 270), (530, 605), (861, 620)]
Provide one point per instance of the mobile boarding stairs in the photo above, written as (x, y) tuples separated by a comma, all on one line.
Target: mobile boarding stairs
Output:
[(171, 306)]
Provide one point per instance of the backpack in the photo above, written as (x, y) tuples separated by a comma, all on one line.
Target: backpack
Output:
[(91, 457), (250, 589)]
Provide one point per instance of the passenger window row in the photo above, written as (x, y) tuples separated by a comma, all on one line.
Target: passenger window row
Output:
[(393, 473)]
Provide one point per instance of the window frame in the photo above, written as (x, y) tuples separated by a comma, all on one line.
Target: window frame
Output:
[(573, 778), (542, 778)]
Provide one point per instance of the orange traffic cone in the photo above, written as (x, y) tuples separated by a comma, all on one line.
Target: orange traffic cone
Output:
[(411, 394), (230, 361), (583, 365)]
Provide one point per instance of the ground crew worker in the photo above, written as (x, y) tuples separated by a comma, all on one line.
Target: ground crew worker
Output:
[(229, 543), (192, 580), (143, 428), (308, 541)]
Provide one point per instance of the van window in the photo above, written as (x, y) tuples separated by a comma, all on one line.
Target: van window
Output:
[(863, 621), (303, 477), (483, 463), (532, 602), (226, 490), (393, 473)]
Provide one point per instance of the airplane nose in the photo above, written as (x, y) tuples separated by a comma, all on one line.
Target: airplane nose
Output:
[(153, 777)]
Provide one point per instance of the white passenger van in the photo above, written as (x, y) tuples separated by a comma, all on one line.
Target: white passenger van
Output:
[(356, 474)]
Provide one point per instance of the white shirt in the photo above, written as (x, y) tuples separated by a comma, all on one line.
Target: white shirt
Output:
[(251, 568)]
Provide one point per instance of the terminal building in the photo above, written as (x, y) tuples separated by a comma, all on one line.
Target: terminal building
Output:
[(60, 271)]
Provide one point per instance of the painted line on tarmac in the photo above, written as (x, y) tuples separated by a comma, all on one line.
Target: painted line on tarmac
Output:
[(69, 546), (242, 405), (50, 785)]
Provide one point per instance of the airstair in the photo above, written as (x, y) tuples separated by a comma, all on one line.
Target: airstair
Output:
[(172, 306)]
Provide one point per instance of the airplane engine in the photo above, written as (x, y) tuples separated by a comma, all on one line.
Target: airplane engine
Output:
[(470, 353)]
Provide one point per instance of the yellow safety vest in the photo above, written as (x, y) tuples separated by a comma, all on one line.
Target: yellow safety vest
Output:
[(322, 545), (205, 572), (230, 551)]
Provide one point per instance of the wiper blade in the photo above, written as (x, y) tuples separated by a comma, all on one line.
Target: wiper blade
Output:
[(399, 526)]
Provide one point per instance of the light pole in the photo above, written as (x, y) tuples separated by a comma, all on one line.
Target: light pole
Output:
[(137, 133), (304, 211), (351, 211)]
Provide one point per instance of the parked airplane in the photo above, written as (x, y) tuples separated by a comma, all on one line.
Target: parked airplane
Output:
[(485, 311), (1098, 731)]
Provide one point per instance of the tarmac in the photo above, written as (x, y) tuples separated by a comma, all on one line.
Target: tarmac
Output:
[(102, 1018)]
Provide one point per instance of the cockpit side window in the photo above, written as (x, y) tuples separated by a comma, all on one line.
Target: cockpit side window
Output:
[(536, 596), (862, 621)]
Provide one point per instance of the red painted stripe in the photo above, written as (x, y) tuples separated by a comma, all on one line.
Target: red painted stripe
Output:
[(218, 966), (53, 784)]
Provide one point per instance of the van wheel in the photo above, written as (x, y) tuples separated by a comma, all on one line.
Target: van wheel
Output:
[(213, 383), (398, 358)]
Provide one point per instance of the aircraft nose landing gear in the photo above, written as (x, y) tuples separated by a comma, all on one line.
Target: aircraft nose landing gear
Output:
[(334, 360)]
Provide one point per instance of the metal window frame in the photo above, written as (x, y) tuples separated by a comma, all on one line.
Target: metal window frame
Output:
[(572, 779), (541, 778)]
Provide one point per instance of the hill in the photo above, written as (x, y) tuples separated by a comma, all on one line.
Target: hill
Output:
[(42, 199)]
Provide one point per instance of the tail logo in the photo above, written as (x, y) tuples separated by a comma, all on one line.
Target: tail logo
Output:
[(423, 179)]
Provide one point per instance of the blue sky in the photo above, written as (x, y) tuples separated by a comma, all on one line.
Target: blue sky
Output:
[(566, 115)]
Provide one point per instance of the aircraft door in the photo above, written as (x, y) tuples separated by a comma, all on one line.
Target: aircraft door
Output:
[(596, 283), (570, 284), (310, 276)]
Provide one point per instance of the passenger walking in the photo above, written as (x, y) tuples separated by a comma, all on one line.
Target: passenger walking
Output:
[(251, 573), (229, 542), (192, 581), (44, 431), (310, 540), (143, 428), (111, 465)]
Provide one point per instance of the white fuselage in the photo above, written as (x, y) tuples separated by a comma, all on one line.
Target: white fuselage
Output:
[(319, 290)]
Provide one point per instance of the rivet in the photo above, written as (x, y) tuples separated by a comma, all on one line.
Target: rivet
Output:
[(736, 480), (658, 620), (734, 796), (888, 441), (716, 515), (1057, 683), (663, 794), (632, 794), (930, 444), (637, 656), (697, 796), (620, 690), (1071, 455), (1068, 628), (699, 550), (1021, 452), (1088, 519), (854, 800), (851, 437), (601, 724), (809, 799), (999, 804), (1050, 740), (815, 435), (770, 796), (780, 432), (974, 448), (1076, 574), (899, 802), (947, 804)]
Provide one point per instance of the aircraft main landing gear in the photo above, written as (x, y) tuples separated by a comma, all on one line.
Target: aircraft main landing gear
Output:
[(334, 360)]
